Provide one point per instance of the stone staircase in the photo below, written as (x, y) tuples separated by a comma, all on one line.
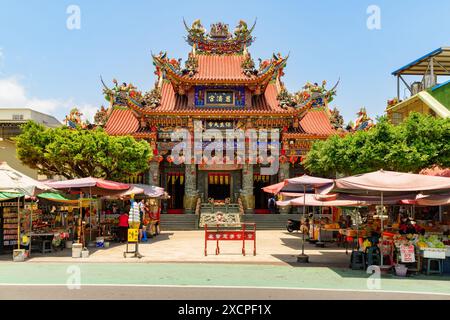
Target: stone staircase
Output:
[(270, 221), (171, 222), (174, 222)]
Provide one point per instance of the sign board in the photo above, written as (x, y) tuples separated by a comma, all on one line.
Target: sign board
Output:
[(133, 235), (219, 97), (8, 204), (230, 235), (407, 254)]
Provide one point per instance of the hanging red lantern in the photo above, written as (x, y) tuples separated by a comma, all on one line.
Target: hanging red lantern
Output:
[(293, 159), (283, 159), (283, 152)]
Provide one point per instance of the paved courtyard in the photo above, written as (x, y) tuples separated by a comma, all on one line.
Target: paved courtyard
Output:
[(272, 247)]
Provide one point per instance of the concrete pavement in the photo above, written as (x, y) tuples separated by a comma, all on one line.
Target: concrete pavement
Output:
[(199, 293), (174, 266), (272, 247)]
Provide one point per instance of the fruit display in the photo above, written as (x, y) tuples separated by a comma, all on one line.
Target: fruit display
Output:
[(430, 242)]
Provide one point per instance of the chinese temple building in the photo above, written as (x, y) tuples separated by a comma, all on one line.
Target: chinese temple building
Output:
[(220, 86)]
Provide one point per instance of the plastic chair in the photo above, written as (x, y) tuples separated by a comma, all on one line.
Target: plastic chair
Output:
[(434, 271), (46, 246)]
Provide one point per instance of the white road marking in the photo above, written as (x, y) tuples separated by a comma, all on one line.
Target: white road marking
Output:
[(224, 287)]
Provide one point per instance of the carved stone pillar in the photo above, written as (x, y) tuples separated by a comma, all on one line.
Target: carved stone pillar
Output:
[(190, 188), (247, 196), (153, 173)]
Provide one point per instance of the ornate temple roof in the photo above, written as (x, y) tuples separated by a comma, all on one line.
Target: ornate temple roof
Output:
[(219, 59), (234, 69), (175, 104), (121, 121), (317, 122), (219, 40)]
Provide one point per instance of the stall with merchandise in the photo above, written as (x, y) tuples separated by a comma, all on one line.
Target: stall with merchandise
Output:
[(391, 238)]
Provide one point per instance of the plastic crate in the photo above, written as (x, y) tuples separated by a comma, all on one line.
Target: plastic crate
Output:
[(434, 253)]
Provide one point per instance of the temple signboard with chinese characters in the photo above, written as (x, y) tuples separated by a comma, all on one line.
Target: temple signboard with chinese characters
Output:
[(219, 125), (218, 96), (219, 86)]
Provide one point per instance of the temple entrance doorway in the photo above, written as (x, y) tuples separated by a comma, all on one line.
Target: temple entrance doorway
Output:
[(175, 188), (261, 197), (219, 185)]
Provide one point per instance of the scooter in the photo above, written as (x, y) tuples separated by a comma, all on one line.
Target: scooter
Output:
[(293, 225)]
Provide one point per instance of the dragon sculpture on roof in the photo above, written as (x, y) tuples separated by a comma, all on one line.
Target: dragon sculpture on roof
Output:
[(311, 96), (363, 121), (73, 120), (121, 95), (219, 40)]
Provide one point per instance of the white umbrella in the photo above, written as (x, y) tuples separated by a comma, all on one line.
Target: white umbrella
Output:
[(12, 180)]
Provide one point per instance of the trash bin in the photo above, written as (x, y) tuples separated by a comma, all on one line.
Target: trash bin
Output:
[(19, 255), (76, 250)]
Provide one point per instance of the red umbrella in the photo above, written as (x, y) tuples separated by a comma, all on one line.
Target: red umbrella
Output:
[(92, 185)]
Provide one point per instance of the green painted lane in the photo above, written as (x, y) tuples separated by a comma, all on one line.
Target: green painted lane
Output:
[(191, 274)]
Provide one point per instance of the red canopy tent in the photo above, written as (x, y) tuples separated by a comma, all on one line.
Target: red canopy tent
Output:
[(389, 183), (297, 184), (316, 201), (381, 183), (91, 185)]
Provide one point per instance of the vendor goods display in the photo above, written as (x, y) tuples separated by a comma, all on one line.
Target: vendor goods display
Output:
[(134, 218), (430, 242), (8, 224)]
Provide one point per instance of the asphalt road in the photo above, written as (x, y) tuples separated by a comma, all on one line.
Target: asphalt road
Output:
[(124, 292)]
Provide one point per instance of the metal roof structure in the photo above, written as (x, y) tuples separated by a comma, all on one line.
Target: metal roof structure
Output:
[(441, 64)]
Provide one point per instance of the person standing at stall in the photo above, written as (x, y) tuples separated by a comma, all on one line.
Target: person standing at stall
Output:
[(142, 227), (123, 227)]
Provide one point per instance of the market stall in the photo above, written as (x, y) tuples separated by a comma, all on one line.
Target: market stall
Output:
[(386, 185), (89, 187), (152, 196), (54, 221), (16, 185)]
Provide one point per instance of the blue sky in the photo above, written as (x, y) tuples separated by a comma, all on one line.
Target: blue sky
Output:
[(48, 67)]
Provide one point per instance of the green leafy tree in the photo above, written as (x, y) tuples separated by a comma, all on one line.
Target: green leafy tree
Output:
[(419, 142), (74, 153)]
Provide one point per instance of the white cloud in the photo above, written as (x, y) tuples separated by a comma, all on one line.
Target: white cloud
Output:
[(13, 95), (88, 111)]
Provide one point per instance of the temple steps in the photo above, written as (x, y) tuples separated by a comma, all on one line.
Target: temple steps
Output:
[(270, 221), (175, 222), (171, 222)]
